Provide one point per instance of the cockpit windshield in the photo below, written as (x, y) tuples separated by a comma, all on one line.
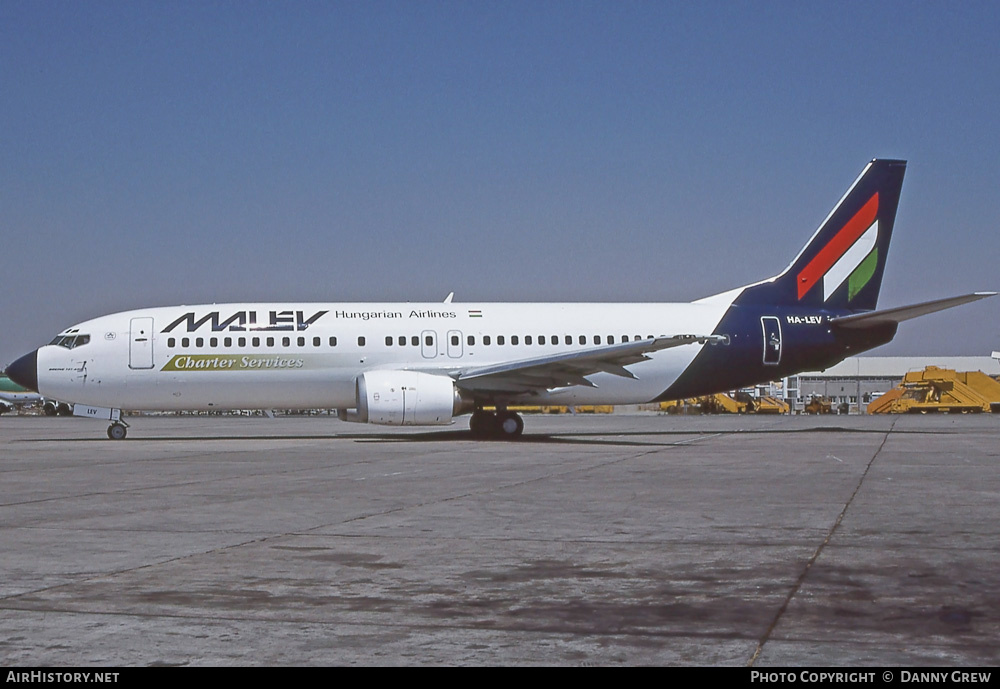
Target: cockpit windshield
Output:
[(70, 341)]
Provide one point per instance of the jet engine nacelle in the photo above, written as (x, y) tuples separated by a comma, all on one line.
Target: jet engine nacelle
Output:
[(406, 398)]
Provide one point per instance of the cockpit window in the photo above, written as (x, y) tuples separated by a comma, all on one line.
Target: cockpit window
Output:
[(70, 341)]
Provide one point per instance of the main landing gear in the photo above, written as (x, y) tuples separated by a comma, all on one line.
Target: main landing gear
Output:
[(502, 424)]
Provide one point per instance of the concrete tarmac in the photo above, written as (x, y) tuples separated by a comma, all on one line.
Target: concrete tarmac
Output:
[(629, 539)]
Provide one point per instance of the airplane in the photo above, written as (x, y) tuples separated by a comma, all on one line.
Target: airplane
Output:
[(424, 364), (13, 395)]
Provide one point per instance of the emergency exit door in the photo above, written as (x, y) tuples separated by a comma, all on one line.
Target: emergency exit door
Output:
[(428, 344)]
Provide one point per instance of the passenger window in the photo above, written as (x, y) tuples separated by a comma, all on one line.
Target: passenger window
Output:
[(513, 339), (286, 342), (414, 341), (361, 341), (185, 342), (597, 339), (487, 340), (333, 341), (541, 339), (402, 340), (270, 342), (213, 342), (527, 339), (428, 340), (471, 340), (569, 339), (171, 342), (583, 339), (256, 342), (611, 339), (316, 341), (199, 342), (388, 340), (302, 342)]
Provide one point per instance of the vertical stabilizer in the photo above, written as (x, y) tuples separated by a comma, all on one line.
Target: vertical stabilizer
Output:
[(842, 265)]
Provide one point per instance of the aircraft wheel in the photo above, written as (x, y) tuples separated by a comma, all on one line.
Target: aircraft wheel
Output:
[(117, 431), (49, 410), (482, 423), (64, 410), (510, 425)]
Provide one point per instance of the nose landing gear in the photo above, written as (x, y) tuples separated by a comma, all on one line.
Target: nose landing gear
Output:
[(118, 430)]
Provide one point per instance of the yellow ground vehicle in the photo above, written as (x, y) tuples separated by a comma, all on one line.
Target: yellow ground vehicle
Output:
[(722, 403), (534, 409), (557, 409), (939, 390), (819, 405), (772, 405)]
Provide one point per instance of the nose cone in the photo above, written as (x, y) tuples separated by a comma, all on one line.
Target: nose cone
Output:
[(24, 371)]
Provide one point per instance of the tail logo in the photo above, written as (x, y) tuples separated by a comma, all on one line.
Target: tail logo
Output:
[(850, 256)]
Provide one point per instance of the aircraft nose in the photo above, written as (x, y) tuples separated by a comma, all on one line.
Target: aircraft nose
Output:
[(24, 371)]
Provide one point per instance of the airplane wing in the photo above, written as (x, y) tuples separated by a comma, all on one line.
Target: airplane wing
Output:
[(572, 368), (862, 321)]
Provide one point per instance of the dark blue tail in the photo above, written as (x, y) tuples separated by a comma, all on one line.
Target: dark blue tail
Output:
[(841, 267)]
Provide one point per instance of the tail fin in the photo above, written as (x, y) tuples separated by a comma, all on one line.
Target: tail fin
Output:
[(841, 267)]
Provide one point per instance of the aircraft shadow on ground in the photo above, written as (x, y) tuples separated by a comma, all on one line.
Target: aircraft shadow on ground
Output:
[(613, 438)]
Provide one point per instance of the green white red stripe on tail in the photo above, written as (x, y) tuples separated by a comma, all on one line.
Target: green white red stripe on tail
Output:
[(850, 256)]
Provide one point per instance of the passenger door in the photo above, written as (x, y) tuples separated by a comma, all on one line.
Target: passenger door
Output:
[(771, 327), (140, 348)]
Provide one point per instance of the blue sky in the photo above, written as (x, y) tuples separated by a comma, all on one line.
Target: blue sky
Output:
[(160, 153)]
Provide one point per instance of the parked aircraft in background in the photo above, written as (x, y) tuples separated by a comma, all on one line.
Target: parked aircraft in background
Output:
[(14, 396), (425, 364)]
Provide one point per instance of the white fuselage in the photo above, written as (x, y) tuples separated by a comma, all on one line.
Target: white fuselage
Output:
[(19, 398), (309, 355)]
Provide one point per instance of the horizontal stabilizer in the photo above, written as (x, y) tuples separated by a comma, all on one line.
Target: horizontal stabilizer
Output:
[(899, 314)]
